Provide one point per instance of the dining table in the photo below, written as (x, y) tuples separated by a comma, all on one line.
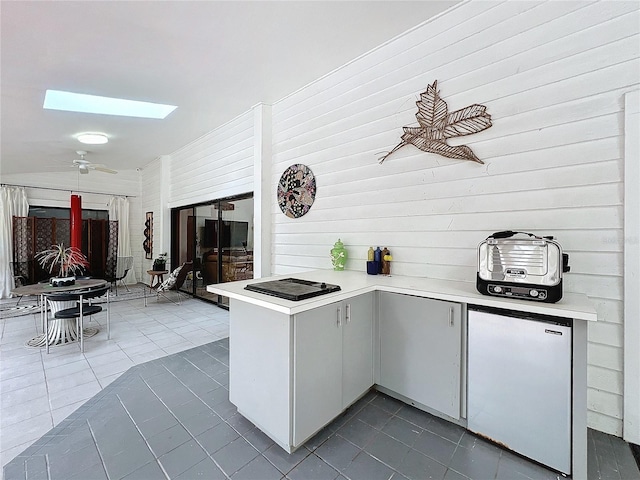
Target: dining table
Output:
[(62, 331)]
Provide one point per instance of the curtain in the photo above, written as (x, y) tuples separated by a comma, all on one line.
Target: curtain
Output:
[(13, 202), (119, 210), (23, 261)]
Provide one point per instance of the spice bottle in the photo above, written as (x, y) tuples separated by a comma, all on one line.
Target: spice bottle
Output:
[(370, 254), (386, 267)]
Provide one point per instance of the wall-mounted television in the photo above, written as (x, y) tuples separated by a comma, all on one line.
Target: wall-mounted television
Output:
[(234, 234)]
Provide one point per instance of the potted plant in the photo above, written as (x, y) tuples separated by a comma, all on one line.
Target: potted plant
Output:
[(160, 263), (69, 261)]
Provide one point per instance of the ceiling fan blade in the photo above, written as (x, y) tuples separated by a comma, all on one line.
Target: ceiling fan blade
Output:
[(102, 168)]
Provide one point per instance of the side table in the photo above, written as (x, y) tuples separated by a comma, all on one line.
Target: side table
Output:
[(157, 276)]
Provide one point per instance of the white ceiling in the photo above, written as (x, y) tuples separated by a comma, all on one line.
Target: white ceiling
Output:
[(214, 59)]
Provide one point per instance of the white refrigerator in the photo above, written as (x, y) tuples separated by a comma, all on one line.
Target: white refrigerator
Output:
[(519, 389)]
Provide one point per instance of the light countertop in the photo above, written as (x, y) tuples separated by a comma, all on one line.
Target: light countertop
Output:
[(352, 283)]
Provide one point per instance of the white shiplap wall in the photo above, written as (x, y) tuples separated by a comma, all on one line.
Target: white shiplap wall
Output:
[(553, 76), (217, 165)]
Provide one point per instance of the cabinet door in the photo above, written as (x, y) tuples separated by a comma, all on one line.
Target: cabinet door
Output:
[(420, 346), (317, 363), (357, 347), (260, 359)]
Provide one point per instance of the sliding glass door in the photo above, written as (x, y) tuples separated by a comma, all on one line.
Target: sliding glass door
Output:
[(217, 237)]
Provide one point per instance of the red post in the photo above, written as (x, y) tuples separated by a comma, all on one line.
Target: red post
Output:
[(75, 221)]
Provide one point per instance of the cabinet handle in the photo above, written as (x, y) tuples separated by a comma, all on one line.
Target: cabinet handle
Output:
[(451, 316), (348, 312), (339, 315)]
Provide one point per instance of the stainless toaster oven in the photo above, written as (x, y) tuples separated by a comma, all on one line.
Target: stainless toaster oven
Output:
[(521, 265)]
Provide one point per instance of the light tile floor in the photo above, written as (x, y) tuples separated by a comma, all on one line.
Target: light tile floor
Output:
[(38, 390)]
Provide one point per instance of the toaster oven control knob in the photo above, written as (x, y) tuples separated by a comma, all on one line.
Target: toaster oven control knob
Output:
[(533, 293), (497, 289)]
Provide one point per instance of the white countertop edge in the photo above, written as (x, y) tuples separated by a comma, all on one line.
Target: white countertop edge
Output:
[(572, 305)]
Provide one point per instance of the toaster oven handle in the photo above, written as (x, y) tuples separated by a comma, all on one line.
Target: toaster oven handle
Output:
[(503, 234), (511, 233)]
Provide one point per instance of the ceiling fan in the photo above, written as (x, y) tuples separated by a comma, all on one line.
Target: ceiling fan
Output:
[(85, 165)]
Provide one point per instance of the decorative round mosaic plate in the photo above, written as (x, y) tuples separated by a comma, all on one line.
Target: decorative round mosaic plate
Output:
[(296, 190)]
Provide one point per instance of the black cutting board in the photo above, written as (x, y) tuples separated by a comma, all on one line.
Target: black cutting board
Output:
[(293, 288)]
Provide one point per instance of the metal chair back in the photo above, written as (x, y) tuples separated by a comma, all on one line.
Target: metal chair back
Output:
[(123, 265)]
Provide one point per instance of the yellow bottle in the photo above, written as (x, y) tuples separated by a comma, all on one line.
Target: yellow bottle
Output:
[(370, 254)]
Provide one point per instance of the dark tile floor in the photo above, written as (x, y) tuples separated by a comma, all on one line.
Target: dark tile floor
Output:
[(171, 418)]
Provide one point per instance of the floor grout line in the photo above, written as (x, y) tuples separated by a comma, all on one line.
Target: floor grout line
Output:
[(95, 443), (46, 383), (46, 460), (144, 438)]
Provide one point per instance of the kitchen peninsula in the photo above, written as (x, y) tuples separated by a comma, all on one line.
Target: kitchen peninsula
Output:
[(296, 365)]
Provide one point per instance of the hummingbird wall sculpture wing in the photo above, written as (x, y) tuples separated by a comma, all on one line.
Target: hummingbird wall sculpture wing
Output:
[(437, 125)]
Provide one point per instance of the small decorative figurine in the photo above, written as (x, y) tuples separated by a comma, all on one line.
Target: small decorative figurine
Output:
[(338, 255)]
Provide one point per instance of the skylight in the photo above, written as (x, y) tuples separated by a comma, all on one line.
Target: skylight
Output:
[(78, 102)]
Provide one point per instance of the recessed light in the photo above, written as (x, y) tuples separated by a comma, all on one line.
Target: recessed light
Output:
[(79, 102), (93, 138)]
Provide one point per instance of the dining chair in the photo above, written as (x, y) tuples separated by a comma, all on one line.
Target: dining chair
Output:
[(123, 265), (18, 279), (82, 306)]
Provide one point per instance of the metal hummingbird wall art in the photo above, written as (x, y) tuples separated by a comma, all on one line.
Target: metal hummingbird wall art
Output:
[(437, 125)]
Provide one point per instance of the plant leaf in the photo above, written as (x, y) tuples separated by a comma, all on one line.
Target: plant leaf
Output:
[(432, 112), (461, 152), (468, 120), (70, 259)]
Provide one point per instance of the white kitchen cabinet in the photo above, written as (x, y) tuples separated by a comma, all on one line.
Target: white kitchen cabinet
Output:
[(420, 350), (357, 347), (293, 374), (317, 385), (262, 364), (333, 362)]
